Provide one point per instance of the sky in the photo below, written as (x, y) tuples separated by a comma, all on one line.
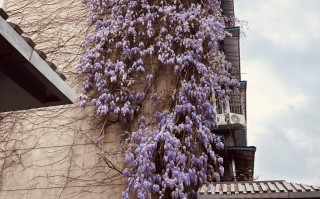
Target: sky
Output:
[(280, 60)]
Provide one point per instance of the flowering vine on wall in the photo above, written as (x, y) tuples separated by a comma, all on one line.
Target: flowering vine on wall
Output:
[(176, 152)]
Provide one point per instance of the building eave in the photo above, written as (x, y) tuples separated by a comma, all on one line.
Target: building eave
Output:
[(25, 71)]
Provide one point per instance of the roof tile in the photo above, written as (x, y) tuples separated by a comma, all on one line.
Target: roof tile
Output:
[(265, 189)]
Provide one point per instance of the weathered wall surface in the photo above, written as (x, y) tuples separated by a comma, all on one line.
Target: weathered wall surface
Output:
[(52, 153)]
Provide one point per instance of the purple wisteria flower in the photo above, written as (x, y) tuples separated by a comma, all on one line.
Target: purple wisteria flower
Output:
[(177, 152)]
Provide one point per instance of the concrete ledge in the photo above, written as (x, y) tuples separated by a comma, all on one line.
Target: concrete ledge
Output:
[(18, 53)]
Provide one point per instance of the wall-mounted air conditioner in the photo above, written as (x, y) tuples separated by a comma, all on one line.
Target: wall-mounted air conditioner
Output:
[(221, 119), (237, 119)]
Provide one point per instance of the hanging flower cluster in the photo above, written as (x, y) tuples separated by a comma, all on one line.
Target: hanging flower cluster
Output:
[(177, 152)]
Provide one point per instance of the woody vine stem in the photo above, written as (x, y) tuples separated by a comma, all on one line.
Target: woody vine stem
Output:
[(173, 153)]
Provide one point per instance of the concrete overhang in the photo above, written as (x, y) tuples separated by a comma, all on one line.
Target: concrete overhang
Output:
[(27, 80), (244, 159)]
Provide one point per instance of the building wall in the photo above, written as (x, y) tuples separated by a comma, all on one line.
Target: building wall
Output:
[(52, 152)]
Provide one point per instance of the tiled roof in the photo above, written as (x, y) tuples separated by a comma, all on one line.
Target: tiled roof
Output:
[(258, 189)]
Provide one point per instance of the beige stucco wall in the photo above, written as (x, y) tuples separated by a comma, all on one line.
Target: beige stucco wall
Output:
[(52, 152)]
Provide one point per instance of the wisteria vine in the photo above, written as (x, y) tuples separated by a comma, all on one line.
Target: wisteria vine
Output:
[(177, 152)]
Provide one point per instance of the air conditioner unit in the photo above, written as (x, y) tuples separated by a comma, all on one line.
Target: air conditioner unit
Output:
[(237, 119), (221, 119)]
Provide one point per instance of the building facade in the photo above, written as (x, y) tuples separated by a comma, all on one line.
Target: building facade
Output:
[(53, 153), (232, 115)]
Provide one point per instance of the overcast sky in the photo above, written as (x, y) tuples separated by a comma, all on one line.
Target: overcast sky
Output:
[(280, 58)]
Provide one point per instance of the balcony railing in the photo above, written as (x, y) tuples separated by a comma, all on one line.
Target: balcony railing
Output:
[(232, 111)]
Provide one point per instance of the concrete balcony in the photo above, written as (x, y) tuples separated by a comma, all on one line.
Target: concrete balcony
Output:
[(231, 119), (232, 113)]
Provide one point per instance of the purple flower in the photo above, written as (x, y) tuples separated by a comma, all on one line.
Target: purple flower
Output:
[(220, 160), (221, 170), (129, 43), (156, 188)]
